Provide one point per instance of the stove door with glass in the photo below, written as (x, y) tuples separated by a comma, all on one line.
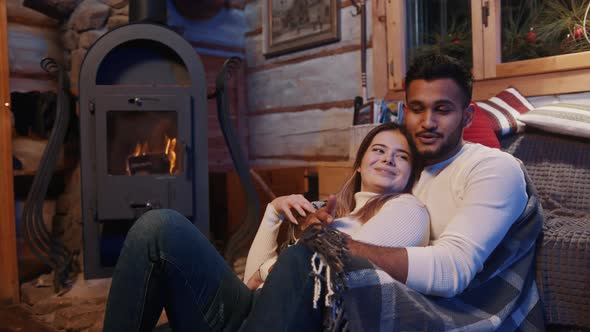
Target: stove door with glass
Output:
[(144, 162)]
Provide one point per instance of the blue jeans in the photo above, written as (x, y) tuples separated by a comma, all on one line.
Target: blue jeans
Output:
[(167, 262)]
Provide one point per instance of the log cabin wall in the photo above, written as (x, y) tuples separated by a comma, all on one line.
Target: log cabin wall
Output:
[(31, 36), (301, 104)]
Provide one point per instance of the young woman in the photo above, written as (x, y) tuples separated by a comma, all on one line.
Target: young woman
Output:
[(373, 205), (167, 262)]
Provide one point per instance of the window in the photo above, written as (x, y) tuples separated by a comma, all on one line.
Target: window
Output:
[(539, 46)]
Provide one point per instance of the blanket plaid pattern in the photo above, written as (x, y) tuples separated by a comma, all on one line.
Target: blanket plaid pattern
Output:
[(502, 297)]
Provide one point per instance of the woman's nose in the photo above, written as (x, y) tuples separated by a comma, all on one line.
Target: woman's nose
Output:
[(388, 159)]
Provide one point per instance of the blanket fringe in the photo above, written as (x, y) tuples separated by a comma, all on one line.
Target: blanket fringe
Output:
[(318, 265), (327, 264)]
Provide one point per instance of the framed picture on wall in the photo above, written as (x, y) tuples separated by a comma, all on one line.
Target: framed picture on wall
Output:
[(292, 25)]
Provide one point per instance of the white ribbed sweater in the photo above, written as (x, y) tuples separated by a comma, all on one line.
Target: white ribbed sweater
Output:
[(473, 199), (403, 221)]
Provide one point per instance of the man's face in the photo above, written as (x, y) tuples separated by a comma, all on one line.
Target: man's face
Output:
[(435, 115)]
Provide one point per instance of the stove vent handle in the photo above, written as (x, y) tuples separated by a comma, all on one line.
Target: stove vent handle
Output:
[(147, 205), (141, 208)]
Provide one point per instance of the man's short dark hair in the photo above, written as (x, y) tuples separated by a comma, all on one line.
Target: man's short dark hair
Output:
[(437, 66)]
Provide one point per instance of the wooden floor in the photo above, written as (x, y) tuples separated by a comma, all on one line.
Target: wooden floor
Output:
[(18, 318)]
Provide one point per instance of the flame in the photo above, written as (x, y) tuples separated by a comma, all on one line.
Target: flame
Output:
[(171, 153), (142, 149), (137, 150)]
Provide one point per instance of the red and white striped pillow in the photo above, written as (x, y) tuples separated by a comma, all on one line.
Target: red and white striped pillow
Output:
[(504, 110)]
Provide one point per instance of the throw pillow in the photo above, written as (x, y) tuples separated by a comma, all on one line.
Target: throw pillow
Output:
[(504, 111), (561, 118), (481, 130)]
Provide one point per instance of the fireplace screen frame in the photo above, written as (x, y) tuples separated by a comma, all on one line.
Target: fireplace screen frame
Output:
[(128, 196), (139, 59)]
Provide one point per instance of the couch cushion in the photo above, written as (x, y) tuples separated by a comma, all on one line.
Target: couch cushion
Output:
[(504, 109), (481, 130), (561, 118)]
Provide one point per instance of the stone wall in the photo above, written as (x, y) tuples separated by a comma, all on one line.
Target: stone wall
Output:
[(89, 20)]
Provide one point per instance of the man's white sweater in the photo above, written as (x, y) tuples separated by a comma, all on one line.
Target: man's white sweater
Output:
[(473, 199)]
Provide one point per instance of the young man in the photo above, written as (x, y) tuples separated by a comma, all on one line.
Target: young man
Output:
[(474, 195)]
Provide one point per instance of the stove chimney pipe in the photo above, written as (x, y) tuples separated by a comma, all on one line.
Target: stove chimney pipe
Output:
[(154, 11)]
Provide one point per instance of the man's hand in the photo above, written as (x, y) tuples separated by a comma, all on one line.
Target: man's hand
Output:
[(323, 215), (394, 261)]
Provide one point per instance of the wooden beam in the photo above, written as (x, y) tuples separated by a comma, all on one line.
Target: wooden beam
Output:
[(307, 107), (254, 32), (544, 65), (396, 43), (492, 39), (320, 54), (9, 287), (477, 38), (379, 41), (17, 13), (58, 10)]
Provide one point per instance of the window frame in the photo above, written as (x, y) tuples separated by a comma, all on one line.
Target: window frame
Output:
[(558, 74)]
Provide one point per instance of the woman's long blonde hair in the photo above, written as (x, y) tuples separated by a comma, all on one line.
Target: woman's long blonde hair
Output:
[(345, 202)]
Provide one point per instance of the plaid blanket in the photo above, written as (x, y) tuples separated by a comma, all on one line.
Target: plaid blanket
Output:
[(502, 297)]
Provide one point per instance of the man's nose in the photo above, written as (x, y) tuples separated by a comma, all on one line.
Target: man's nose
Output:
[(429, 120)]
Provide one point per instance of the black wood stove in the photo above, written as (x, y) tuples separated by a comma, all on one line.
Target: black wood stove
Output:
[(143, 123)]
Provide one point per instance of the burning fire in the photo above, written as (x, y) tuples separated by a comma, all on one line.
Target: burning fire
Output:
[(169, 151), (143, 150)]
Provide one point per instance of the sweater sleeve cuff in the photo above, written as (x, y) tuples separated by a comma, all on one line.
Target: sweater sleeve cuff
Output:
[(420, 269), (271, 216)]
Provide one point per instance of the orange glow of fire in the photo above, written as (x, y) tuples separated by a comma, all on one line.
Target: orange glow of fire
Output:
[(171, 153), (142, 149)]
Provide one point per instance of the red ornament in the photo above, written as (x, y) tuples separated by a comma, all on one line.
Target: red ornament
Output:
[(530, 37), (578, 33)]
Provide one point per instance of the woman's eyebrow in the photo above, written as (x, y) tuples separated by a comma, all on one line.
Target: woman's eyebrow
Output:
[(395, 150), (402, 150)]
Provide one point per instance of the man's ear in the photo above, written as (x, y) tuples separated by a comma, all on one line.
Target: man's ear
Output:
[(468, 115)]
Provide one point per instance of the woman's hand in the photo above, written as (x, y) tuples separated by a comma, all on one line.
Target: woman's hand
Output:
[(300, 204), (323, 215), (255, 281)]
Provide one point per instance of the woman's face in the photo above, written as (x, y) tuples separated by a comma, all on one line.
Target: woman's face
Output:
[(386, 165)]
